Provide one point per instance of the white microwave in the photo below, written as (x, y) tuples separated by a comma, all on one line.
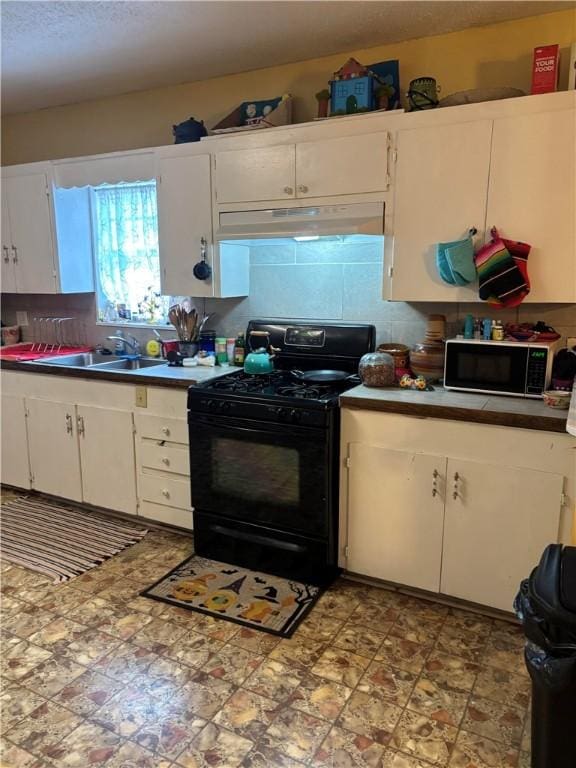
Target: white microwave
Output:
[(517, 368)]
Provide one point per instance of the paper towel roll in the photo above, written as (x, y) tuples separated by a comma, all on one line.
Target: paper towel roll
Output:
[(571, 422)]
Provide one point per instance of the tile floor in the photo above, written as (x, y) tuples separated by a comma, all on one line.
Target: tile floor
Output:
[(93, 675)]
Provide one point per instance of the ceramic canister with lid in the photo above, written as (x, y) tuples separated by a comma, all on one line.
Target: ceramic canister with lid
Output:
[(427, 357)]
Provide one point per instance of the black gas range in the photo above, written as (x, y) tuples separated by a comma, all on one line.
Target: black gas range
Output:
[(264, 453)]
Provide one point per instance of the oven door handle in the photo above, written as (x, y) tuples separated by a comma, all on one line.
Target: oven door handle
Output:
[(262, 428), (255, 538)]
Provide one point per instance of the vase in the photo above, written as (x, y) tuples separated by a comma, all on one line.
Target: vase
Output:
[(427, 357)]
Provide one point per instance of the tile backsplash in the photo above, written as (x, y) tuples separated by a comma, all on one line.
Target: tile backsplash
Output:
[(334, 281)]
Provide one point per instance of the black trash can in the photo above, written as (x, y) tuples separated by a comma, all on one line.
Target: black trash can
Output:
[(546, 605)]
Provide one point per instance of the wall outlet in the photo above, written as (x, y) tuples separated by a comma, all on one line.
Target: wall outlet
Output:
[(22, 319), (141, 397)]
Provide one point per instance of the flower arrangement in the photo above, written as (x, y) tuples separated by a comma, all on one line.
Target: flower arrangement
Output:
[(150, 307)]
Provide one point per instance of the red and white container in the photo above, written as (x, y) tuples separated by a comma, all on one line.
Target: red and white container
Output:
[(545, 67)]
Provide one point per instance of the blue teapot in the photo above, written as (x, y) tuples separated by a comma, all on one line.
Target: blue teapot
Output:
[(261, 359), (189, 130)]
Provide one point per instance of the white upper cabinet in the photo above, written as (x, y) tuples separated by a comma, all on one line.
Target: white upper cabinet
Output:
[(252, 175), (514, 172), (343, 166), (41, 252), (339, 166), (27, 238), (185, 233), (440, 194), (531, 197)]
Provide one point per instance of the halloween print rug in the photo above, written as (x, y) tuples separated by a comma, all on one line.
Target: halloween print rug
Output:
[(254, 599)]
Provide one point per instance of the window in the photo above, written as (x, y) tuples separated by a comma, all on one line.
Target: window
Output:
[(127, 264), (359, 88)]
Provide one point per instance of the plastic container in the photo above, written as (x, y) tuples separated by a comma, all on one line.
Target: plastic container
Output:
[(546, 605), (221, 354), (376, 369), (239, 350)]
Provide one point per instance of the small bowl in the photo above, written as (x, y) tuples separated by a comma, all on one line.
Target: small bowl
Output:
[(557, 399)]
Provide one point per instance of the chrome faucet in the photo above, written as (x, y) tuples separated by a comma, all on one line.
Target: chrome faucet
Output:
[(130, 342)]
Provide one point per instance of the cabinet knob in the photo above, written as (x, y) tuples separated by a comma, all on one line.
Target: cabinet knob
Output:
[(14, 254), (302, 188), (80, 425), (68, 423), (165, 431), (434, 483), (6, 254), (166, 460), (165, 493), (289, 190)]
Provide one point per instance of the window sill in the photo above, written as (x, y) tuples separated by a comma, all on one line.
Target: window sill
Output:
[(129, 324)]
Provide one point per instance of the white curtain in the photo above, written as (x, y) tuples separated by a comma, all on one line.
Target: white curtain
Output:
[(126, 243)]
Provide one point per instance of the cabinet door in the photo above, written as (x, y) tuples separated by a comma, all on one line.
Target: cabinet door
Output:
[(8, 275), (184, 220), (395, 518), (441, 192), (53, 447), (343, 166), (250, 175), (15, 464), (496, 529), (531, 197), (108, 462), (31, 230)]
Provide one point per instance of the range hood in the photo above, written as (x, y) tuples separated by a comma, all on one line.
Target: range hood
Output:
[(314, 221)]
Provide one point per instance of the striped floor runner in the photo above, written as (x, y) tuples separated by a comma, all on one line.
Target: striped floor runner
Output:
[(60, 541)]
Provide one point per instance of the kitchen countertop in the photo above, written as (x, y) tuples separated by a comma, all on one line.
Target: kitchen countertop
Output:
[(159, 376), (459, 406)]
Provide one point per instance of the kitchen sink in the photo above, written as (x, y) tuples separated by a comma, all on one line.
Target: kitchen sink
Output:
[(81, 360), (96, 361), (128, 364)]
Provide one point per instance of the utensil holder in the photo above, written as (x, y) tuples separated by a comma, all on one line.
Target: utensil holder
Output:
[(188, 348)]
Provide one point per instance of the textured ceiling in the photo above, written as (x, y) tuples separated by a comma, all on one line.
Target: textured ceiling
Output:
[(61, 52)]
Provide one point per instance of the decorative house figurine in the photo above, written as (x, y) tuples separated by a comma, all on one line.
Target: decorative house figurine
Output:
[(352, 89)]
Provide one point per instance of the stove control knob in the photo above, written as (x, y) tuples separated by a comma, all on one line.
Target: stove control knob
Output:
[(295, 415), (281, 412), (224, 406), (211, 405)]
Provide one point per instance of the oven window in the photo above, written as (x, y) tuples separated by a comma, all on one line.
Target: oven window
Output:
[(256, 472), (486, 369)]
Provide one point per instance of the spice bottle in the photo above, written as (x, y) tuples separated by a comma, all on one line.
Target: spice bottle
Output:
[(239, 350), (230, 344), (497, 331)]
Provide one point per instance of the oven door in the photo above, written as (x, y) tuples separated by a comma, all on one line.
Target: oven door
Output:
[(492, 368), (263, 474)]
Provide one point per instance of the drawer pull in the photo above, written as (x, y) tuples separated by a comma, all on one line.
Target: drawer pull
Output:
[(288, 190), (165, 493), (166, 460), (302, 188)]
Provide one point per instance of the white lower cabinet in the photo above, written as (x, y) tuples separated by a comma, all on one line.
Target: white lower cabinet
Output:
[(15, 463), (471, 527), (163, 468), (54, 449), (497, 522), (107, 458), (399, 502), (82, 453)]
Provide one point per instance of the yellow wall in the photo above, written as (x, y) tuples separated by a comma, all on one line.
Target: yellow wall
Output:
[(496, 55)]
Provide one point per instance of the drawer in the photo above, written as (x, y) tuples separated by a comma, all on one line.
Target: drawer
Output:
[(170, 457), (169, 491), (167, 515), (160, 428)]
